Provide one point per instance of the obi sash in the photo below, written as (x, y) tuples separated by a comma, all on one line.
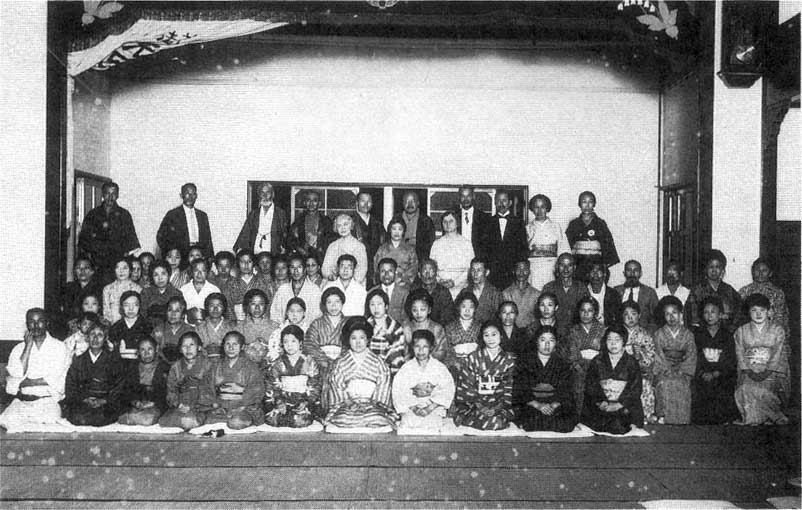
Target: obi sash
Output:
[(331, 351), (588, 354), (294, 383), (543, 250), (488, 385), (98, 388), (587, 248), (463, 350), (675, 355), (612, 389), (379, 345), (711, 354), (758, 355), (360, 388), (125, 352), (543, 391)]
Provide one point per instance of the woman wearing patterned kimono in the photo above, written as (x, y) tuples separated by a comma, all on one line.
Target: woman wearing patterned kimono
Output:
[(484, 389), (214, 327), (234, 387), (462, 333), (584, 344), (146, 395), (762, 365), (323, 339), (388, 340), (257, 328), (294, 315), (168, 333), (358, 385), (292, 385), (396, 249), (541, 390), (423, 390), (761, 284), (418, 307), (184, 385), (640, 345), (545, 239), (612, 388), (590, 238), (713, 389), (674, 365)]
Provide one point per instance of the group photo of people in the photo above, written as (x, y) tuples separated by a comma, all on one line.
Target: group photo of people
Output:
[(497, 324)]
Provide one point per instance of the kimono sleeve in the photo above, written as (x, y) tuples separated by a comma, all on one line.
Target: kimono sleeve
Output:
[(254, 384), (778, 361), (160, 386), (173, 378), (14, 369), (630, 397), (403, 382), (609, 253), (314, 380), (329, 266), (688, 365), (444, 389), (312, 344), (129, 240), (361, 255), (740, 347), (522, 383), (593, 390)]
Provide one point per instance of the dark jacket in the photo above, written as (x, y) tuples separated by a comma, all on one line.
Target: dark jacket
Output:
[(503, 253), (174, 232), (479, 229), (278, 231)]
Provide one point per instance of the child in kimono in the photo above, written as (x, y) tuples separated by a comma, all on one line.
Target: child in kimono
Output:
[(584, 344), (423, 389), (323, 339), (612, 401), (293, 384), (713, 389), (674, 365), (78, 342), (484, 389), (358, 385), (145, 396), (762, 366), (418, 307), (215, 325), (640, 344), (387, 342), (462, 334), (155, 297), (233, 388), (590, 238), (127, 331), (541, 390), (112, 293), (257, 328), (294, 315), (184, 382), (167, 333)]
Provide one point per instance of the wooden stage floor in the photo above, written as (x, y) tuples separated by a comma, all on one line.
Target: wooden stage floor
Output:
[(742, 465)]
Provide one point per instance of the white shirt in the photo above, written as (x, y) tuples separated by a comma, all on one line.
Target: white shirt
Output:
[(355, 296), (192, 224), (633, 294), (94, 357), (682, 292), (502, 223), (600, 298), (309, 292), (194, 298), (388, 289), (48, 362), (467, 223), (263, 238)]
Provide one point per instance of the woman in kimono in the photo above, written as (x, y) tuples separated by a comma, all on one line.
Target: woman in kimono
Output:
[(323, 339), (168, 333), (257, 328), (178, 276), (513, 338), (234, 387), (145, 398), (215, 325), (484, 389), (156, 296), (396, 249), (762, 366), (674, 365), (112, 293), (713, 389), (761, 284), (388, 340), (546, 315), (542, 396), (545, 239), (418, 307), (462, 333), (590, 237), (294, 315), (184, 384), (293, 384), (584, 344), (126, 332), (640, 345), (612, 388), (715, 268), (358, 385), (423, 390)]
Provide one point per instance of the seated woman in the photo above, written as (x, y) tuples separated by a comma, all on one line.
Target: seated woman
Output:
[(294, 315), (357, 390), (484, 390), (112, 293), (213, 328), (395, 248), (612, 387), (323, 340), (234, 387), (126, 332), (293, 384), (169, 332), (674, 365), (418, 307), (462, 334), (77, 343), (546, 315), (145, 396), (453, 254), (762, 366), (761, 284), (136, 272), (347, 243), (423, 389), (184, 383), (513, 338), (640, 344), (95, 383), (542, 396), (156, 296), (584, 344), (388, 340), (281, 273), (257, 328), (713, 386)]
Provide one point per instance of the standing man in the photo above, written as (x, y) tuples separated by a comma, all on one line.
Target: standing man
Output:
[(420, 227), (505, 243), (472, 223), (311, 232), (265, 228), (107, 233), (368, 230), (186, 226)]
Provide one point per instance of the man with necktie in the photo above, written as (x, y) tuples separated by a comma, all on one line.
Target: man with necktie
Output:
[(645, 296), (186, 226), (472, 224)]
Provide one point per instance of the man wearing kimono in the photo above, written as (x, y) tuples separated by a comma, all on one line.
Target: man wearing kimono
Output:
[(312, 231), (420, 231), (488, 295), (265, 228)]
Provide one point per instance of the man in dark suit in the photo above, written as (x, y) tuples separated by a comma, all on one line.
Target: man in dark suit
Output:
[(609, 299), (312, 231), (186, 226), (265, 228), (645, 296), (396, 292), (472, 223), (505, 242), (368, 230), (420, 227)]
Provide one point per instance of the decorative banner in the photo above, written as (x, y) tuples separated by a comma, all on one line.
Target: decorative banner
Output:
[(146, 37)]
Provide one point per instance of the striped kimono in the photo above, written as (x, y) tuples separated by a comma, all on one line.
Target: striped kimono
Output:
[(485, 383), (581, 339), (641, 346), (467, 339), (212, 336), (324, 335), (763, 373), (674, 368), (388, 342), (347, 406)]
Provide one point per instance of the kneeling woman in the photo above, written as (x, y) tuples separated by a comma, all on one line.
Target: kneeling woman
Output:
[(292, 396), (146, 395), (613, 386), (484, 392), (184, 385), (541, 392), (423, 389), (357, 392), (234, 387)]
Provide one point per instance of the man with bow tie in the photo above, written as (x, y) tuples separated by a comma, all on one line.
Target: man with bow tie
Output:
[(505, 242)]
